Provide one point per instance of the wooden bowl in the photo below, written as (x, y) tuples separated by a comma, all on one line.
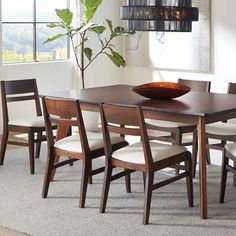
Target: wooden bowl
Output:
[(161, 90)]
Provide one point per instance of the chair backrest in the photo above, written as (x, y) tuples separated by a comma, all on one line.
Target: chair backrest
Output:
[(64, 113), (19, 90), (124, 120), (196, 85), (231, 88)]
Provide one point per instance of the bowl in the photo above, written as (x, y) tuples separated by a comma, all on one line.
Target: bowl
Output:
[(161, 90)]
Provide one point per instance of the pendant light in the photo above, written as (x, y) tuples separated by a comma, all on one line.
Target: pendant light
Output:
[(160, 15)]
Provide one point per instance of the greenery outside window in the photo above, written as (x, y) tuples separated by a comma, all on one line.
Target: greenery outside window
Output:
[(24, 30)]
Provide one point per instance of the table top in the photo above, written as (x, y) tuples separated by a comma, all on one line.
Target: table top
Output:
[(193, 103)]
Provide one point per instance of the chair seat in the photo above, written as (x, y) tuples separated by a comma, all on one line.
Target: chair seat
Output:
[(95, 140), (231, 148), (221, 129), (165, 124), (186, 137), (134, 153), (31, 122)]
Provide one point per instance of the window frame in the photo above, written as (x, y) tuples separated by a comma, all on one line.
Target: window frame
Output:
[(34, 24)]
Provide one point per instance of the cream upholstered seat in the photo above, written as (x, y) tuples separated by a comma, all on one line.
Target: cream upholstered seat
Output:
[(20, 91), (95, 141), (176, 131), (166, 124), (83, 145), (222, 132), (35, 121), (231, 148), (221, 129), (145, 155), (134, 152), (229, 154), (186, 138)]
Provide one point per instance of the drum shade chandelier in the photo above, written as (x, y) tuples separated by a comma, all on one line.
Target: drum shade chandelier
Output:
[(160, 15)]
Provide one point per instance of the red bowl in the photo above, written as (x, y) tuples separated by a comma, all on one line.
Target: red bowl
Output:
[(161, 90)]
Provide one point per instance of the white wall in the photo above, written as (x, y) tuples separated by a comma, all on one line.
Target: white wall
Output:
[(61, 75), (103, 71), (224, 53), (50, 76)]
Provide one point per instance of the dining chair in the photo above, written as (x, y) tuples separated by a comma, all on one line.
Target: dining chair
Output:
[(180, 133), (223, 131), (145, 156), (19, 91), (81, 145), (229, 153)]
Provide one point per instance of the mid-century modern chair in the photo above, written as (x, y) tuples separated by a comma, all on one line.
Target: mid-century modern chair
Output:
[(145, 156), (229, 153), (84, 146), (19, 91), (221, 130), (178, 133)]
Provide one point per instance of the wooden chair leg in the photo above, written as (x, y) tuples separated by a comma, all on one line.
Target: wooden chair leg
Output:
[(189, 182), (194, 152), (38, 144), (128, 183), (148, 197), (105, 189), (177, 141), (234, 175), (84, 182), (90, 179), (31, 151), (144, 180), (71, 163), (225, 161), (208, 156), (3, 145), (48, 174)]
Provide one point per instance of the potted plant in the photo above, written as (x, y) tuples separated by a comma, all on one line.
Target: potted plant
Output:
[(79, 36)]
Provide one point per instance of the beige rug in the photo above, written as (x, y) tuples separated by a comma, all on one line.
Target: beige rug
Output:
[(9, 232), (23, 209)]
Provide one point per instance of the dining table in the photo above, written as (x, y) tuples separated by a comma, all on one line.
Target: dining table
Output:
[(197, 108)]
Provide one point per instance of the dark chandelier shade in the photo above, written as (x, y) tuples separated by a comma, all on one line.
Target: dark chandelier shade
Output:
[(160, 15)]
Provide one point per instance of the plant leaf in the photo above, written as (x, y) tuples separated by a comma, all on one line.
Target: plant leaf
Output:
[(118, 57), (89, 53), (113, 59), (55, 37), (54, 25), (99, 29), (65, 15), (90, 8), (85, 27), (121, 31), (109, 22)]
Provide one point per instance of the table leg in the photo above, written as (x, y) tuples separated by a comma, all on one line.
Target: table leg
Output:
[(202, 167)]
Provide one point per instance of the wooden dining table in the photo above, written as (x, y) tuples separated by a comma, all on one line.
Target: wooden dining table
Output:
[(198, 108)]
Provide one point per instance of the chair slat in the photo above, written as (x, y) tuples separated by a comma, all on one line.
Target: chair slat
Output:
[(20, 98), (20, 86)]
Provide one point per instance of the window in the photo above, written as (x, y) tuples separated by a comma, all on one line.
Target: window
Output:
[(24, 30)]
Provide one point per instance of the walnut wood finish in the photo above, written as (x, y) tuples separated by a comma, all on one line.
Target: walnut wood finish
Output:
[(196, 108), (226, 167), (130, 121), (66, 113), (196, 85), (176, 133), (223, 138), (17, 91)]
